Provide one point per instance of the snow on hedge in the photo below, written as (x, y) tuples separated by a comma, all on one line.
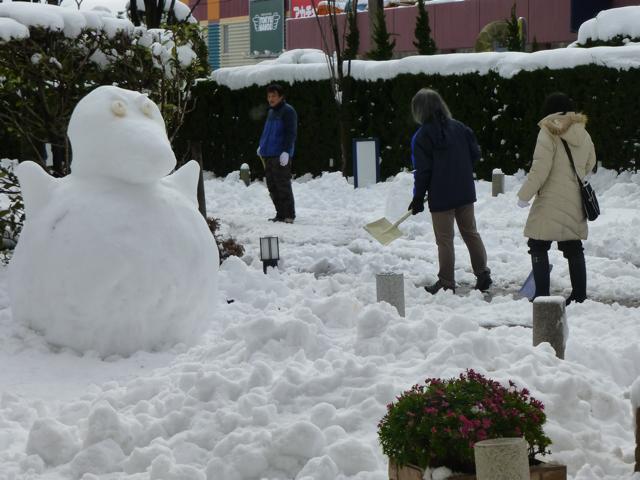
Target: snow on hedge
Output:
[(303, 65), (11, 30), (52, 17), (608, 24)]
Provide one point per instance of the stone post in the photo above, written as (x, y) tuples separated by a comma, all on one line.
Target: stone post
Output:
[(502, 459), (390, 289), (497, 182), (245, 174), (550, 323)]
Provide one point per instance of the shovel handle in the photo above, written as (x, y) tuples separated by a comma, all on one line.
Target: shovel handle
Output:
[(402, 218)]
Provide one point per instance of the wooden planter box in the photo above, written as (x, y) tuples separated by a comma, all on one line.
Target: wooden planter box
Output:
[(543, 471)]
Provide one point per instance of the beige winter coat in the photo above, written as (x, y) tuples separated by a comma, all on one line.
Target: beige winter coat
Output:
[(557, 213)]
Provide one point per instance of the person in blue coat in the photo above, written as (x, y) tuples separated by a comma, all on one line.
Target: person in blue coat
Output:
[(444, 152), (277, 146)]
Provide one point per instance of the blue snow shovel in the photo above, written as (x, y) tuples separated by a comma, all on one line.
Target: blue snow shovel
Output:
[(528, 288)]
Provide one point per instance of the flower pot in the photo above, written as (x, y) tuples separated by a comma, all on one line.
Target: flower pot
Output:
[(542, 471)]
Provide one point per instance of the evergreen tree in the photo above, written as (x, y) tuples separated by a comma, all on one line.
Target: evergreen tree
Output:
[(383, 49), (353, 37), (424, 43), (514, 41), (535, 46)]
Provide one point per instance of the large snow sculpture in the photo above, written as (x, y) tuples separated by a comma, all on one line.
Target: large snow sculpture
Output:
[(115, 257)]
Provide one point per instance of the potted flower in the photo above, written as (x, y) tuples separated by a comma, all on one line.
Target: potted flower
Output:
[(438, 423)]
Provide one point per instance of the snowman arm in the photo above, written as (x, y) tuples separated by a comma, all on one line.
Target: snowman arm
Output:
[(36, 186), (185, 180)]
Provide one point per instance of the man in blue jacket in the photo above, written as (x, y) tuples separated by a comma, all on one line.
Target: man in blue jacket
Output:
[(277, 146), (444, 152)]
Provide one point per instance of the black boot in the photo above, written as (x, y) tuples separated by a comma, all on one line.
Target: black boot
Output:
[(540, 267), (578, 275)]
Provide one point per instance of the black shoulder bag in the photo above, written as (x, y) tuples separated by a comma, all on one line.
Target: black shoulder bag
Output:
[(589, 200)]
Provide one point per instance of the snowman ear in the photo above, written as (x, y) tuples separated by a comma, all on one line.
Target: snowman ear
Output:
[(185, 180), (36, 185)]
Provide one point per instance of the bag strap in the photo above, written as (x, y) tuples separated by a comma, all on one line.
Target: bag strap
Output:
[(568, 150)]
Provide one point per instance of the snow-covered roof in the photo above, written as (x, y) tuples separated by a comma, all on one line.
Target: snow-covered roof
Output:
[(624, 21), (303, 65)]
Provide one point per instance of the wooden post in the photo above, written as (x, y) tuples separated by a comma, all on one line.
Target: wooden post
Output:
[(502, 459), (549, 321), (390, 289), (497, 182), (245, 174)]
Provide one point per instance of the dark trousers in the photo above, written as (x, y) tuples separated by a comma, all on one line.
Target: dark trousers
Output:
[(443, 230), (569, 248), (573, 252), (279, 185)]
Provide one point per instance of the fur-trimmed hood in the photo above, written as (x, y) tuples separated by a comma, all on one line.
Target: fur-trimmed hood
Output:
[(569, 126)]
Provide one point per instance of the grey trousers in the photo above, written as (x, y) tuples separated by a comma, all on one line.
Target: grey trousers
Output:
[(443, 230)]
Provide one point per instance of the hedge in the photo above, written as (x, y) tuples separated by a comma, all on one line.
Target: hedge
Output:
[(503, 112)]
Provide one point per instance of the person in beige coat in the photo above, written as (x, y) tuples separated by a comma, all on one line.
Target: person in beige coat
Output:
[(557, 213)]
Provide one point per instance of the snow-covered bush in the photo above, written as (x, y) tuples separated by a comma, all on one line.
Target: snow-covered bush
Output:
[(437, 424), (11, 211), (50, 57), (613, 27)]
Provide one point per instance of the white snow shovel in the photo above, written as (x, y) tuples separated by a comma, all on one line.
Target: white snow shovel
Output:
[(384, 231)]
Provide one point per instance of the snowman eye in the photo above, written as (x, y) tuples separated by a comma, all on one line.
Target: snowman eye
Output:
[(147, 108), (118, 108)]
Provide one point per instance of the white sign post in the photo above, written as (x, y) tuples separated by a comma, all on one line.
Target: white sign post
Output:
[(366, 162)]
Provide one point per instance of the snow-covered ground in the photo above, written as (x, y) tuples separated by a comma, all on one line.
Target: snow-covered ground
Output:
[(292, 377)]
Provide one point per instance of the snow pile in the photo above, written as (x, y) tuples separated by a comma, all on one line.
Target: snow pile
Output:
[(289, 69), (119, 257), (298, 56), (292, 378), (608, 24)]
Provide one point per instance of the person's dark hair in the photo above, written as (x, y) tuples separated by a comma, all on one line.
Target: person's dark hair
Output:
[(428, 105), (275, 88), (557, 102)]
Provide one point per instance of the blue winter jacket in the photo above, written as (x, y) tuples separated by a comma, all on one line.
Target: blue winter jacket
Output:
[(444, 154), (280, 130)]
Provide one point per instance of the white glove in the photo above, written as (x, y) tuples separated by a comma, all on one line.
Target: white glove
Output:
[(522, 203), (258, 151), (284, 159)]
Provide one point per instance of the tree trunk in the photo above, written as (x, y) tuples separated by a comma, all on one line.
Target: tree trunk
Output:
[(59, 154), (637, 467), (133, 12), (345, 124), (374, 6), (196, 152)]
